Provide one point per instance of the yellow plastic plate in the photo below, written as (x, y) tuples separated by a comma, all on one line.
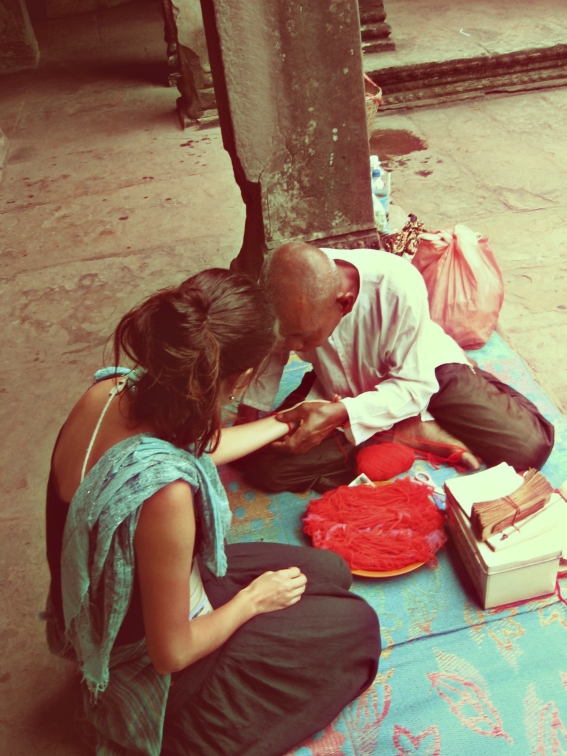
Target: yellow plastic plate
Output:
[(388, 573)]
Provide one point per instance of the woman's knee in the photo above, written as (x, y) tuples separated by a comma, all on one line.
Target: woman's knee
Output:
[(365, 644), (368, 627), (329, 567)]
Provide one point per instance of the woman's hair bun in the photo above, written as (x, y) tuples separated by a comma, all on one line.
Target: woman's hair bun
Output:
[(191, 340)]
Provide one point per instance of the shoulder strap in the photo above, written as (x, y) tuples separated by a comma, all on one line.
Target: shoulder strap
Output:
[(114, 390)]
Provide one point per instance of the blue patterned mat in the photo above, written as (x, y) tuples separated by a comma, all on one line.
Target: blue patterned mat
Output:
[(454, 680)]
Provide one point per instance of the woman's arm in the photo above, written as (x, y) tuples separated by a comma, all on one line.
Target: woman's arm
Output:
[(163, 543), (240, 440)]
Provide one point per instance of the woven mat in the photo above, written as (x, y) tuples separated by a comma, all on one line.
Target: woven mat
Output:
[(453, 680)]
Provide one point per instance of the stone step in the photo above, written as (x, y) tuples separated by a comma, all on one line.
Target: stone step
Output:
[(426, 83)]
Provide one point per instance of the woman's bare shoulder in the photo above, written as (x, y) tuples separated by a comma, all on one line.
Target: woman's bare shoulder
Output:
[(78, 431)]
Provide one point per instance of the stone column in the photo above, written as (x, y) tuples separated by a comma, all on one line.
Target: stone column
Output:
[(188, 60), (196, 83), (374, 30), (18, 45), (290, 95), (170, 38)]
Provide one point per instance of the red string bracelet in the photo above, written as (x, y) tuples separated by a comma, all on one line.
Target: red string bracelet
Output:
[(285, 422)]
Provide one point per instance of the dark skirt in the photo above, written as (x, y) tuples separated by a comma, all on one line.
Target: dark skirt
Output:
[(283, 675)]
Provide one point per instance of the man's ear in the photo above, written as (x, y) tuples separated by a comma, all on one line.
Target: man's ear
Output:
[(346, 302)]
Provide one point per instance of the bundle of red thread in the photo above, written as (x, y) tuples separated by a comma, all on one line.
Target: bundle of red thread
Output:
[(377, 529), (384, 461)]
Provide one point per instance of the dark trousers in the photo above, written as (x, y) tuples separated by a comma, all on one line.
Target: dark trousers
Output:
[(496, 422), (283, 675)]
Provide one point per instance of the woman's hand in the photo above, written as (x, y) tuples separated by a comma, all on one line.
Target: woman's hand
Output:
[(164, 542), (316, 421), (275, 590)]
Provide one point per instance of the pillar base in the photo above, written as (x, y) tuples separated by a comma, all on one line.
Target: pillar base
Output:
[(367, 239), (374, 31), (378, 45)]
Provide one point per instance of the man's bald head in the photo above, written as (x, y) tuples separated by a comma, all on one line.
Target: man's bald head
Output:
[(300, 271), (303, 283)]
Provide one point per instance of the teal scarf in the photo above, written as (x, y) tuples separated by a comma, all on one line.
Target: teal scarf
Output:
[(127, 697)]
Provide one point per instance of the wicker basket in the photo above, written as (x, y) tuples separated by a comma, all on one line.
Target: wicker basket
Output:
[(373, 98)]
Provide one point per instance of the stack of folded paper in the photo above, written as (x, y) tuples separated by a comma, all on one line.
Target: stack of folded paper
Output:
[(510, 532)]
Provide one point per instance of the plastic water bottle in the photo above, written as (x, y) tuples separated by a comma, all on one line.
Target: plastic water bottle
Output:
[(380, 180)]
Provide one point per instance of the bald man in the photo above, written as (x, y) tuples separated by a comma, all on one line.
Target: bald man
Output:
[(380, 364)]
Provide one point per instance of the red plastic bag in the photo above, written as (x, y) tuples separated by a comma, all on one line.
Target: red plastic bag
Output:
[(464, 283)]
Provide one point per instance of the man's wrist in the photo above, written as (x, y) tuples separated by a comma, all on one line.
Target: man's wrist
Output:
[(336, 413)]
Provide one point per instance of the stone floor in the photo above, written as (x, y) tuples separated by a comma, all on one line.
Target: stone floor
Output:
[(433, 31), (104, 199), (446, 51)]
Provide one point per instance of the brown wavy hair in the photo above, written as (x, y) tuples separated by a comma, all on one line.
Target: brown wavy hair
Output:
[(194, 341)]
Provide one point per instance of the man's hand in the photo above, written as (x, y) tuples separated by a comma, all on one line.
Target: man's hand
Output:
[(246, 414), (316, 421)]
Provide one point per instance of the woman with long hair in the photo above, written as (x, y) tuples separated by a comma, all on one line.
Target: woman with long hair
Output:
[(186, 645)]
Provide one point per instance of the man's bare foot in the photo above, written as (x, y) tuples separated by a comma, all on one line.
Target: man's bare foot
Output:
[(429, 436)]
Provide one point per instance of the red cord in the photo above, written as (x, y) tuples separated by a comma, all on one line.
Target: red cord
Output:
[(338, 440), (558, 591)]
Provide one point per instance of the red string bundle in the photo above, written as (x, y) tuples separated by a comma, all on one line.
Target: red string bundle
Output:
[(377, 529), (384, 461)]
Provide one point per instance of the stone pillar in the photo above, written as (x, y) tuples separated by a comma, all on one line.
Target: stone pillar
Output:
[(196, 83), (289, 88), (374, 30), (170, 38), (18, 45), (188, 60)]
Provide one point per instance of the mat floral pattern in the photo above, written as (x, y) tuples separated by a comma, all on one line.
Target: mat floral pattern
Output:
[(454, 680)]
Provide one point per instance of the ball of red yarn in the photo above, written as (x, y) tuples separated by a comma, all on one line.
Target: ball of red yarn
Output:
[(377, 529), (384, 461)]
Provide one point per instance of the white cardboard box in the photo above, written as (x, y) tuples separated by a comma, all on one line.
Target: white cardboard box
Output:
[(527, 570)]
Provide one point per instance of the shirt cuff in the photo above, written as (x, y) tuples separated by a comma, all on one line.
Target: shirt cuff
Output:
[(359, 431)]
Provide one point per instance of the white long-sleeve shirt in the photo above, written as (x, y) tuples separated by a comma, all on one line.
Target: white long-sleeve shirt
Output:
[(382, 356)]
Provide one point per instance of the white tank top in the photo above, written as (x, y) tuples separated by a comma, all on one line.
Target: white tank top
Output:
[(198, 600)]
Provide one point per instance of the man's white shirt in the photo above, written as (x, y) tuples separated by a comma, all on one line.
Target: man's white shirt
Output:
[(381, 358)]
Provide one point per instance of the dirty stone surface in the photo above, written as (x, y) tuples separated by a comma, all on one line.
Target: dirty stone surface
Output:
[(103, 200), (433, 31)]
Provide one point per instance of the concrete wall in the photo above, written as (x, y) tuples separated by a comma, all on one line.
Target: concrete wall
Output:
[(18, 45)]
